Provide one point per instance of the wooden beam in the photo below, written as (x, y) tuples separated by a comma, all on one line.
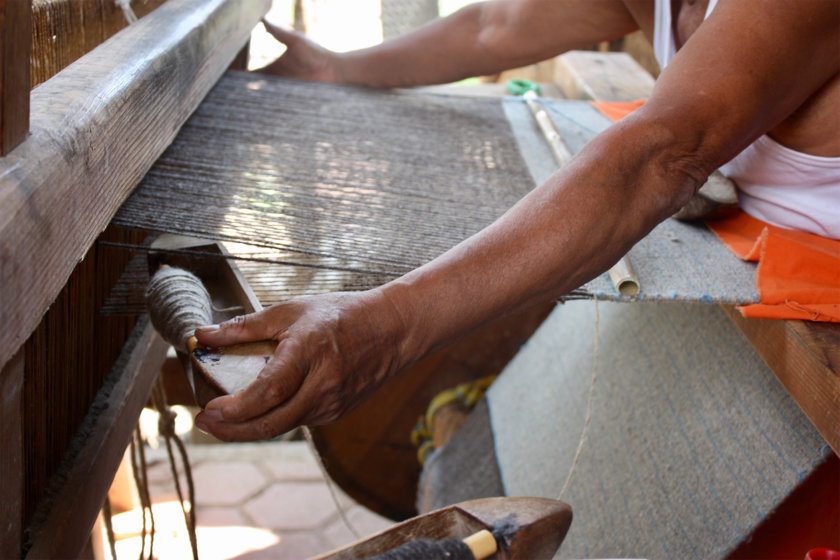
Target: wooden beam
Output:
[(96, 128), (11, 457), (15, 24), (64, 520), (602, 76), (805, 356)]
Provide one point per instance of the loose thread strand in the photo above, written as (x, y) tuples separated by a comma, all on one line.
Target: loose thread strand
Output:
[(588, 420)]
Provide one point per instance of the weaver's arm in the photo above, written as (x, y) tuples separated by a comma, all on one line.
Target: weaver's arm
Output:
[(479, 39), (740, 74)]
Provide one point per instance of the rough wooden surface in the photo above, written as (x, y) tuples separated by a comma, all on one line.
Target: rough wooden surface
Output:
[(601, 76), (14, 73), (534, 528), (96, 128), (805, 356), (11, 457), (67, 514), (64, 30)]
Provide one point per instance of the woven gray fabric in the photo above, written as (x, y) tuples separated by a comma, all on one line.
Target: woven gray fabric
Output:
[(364, 181), (692, 441), (351, 187), (677, 260)]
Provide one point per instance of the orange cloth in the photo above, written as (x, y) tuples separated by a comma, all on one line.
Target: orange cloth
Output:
[(798, 274), (617, 110)]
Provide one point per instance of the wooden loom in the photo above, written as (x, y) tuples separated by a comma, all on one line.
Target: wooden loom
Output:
[(74, 381), (61, 182)]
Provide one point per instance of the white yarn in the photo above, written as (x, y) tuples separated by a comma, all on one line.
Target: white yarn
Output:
[(127, 11), (585, 431), (177, 302)]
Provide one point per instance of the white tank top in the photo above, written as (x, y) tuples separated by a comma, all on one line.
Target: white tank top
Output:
[(779, 185)]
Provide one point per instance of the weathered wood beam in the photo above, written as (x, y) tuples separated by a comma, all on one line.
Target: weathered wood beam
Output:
[(15, 23), (96, 128), (64, 520)]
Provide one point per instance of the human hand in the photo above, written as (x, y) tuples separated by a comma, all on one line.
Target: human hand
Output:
[(304, 59), (333, 351)]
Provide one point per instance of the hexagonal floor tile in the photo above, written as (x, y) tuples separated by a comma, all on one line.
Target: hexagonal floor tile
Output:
[(222, 484), (292, 506)]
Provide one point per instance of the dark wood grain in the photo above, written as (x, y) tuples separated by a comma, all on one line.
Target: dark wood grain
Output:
[(15, 21), (97, 127), (67, 514), (11, 457), (65, 30)]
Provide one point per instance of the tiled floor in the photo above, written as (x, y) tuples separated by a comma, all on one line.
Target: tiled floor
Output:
[(255, 500)]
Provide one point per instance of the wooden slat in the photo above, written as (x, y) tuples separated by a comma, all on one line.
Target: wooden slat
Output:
[(68, 514), (805, 356), (96, 128), (14, 73), (602, 76), (11, 457)]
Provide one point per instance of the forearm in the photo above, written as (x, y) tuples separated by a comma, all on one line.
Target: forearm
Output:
[(564, 233), (484, 39)]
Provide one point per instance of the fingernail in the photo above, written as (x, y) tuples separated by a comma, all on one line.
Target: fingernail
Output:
[(208, 329), (202, 426), (214, 414)]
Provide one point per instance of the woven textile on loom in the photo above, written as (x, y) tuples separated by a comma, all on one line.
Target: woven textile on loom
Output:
[(353, 187)]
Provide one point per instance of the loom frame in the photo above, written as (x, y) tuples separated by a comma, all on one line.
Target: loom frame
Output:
[(94, 129)]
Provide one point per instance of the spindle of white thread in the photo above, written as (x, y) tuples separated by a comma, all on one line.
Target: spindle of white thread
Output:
[(177, 302)]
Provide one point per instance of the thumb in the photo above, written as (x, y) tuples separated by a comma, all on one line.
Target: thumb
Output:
[(244, 328), (282, 34)]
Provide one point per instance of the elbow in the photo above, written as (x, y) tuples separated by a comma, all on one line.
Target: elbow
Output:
[(672, 163)]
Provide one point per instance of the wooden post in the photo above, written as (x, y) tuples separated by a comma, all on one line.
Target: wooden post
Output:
[(11, 457), (15, 41)]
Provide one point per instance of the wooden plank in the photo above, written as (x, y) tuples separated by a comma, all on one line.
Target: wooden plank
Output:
[(805, 356), (66, 516), (602, 76), (11, 457), (14, 73), (96, 128)]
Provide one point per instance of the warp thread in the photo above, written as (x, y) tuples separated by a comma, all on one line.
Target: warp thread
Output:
[(588, 420), (177, 302), (428, 549)]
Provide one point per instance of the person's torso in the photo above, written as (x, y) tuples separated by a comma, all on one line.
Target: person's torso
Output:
[(811, 129)]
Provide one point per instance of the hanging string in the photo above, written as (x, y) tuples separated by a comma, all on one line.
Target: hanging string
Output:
[(109, 526), (166, 428), (584, 432), (141, 479), (307, 435)]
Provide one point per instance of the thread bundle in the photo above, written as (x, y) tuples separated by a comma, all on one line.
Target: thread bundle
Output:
[(177, 303)]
